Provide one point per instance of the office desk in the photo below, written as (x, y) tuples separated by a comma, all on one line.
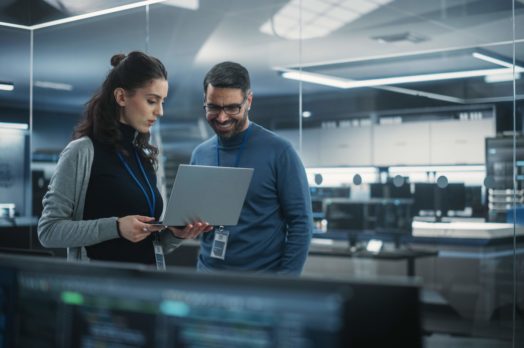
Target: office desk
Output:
[(393, 255), (474, 275)]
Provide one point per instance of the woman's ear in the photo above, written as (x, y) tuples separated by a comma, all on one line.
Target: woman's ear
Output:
[(120, 96)]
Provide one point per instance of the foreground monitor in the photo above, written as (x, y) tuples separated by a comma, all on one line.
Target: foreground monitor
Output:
[(57, 304)]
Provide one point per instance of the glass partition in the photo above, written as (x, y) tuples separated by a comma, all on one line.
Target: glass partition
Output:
[(15, 123), (70, 63), (191, 37), (405, 104), (518, 127)]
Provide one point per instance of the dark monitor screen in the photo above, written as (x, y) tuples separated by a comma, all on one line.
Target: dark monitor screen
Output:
[(8, 290), (429, 196), (345, 215), (316, 206), (452, 197), (330, 192), (424, 196), (76, 305), (474, 200), (390, 191)]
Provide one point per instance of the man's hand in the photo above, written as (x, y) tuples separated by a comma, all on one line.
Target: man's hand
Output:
[(191, 231)]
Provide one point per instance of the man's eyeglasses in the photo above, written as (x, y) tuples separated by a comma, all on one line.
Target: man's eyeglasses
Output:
[(231, 109)]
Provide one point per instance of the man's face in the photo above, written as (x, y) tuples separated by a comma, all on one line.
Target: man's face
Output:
[(227, 110)]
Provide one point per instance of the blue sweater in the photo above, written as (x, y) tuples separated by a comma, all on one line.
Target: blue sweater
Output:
[(275, 226)]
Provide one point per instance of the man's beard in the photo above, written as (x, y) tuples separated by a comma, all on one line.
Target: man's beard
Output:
[(237, 128)]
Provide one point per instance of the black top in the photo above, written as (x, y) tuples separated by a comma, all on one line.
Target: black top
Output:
[(113, 192)]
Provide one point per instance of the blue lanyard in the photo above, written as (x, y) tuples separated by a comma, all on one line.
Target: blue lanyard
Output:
[(242, 145), (151, 203)]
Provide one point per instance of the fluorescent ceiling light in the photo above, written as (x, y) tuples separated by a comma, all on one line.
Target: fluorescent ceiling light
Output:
[(11, 25), (54, 85), (342, 170), (417, 169), (492, 60), (79, 6), (189, 4), (306, 19), (14, 125), (501, 78), (339, 82), (319, 79), (95, 14), (332, 81), (6, 86)]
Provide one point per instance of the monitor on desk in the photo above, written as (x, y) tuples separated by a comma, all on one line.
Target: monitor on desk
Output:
[(61, 304), (346, 215), (389, 190), (330, 192), (317, 206), (431, 197), (424, 197), (452, 197)]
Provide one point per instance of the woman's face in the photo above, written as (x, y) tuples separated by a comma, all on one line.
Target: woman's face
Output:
[(141, 107)]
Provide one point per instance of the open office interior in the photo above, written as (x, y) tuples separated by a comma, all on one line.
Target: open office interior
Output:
[(407, 116)]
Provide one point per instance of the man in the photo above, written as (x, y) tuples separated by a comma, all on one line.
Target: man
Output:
[(275, 225)]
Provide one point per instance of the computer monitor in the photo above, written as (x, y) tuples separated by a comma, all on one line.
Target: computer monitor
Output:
[(474, 201), (451, 197), (424, 197), (63, 304), (317, 206), (346, 215), (330, 192), (390, 191), (429, 196), (8, 290)]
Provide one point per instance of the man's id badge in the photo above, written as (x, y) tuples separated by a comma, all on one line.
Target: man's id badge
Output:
[(218, 250)]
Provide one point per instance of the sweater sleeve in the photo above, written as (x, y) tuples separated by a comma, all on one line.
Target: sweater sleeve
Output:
[(295, 200), (61, 224)]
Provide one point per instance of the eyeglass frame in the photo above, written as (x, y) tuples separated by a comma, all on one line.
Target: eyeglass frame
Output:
[(223, 108)]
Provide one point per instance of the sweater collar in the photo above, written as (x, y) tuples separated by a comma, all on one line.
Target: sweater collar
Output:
[(128, 134), (236, 139)]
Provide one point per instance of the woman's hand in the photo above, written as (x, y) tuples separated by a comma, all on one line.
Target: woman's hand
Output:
[(191, 231), (134, 228)]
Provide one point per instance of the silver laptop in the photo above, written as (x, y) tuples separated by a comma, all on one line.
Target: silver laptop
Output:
[(204, 193)]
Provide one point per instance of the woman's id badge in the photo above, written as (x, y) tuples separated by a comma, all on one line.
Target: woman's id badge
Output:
[(159, 255), (218, 250)]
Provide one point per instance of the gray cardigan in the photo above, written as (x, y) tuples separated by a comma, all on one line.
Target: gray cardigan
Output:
[(61, 224)]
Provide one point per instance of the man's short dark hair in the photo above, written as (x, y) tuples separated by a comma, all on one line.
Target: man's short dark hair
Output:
[(228, 75)]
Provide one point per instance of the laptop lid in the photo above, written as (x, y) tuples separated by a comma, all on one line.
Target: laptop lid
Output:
[(206, 193)]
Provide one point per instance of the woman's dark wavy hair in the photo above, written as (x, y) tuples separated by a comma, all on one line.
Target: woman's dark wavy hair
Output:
[(102, 113)]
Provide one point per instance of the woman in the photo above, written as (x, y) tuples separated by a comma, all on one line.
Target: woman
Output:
[(103, 192)]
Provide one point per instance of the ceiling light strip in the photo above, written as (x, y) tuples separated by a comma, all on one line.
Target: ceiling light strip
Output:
[(95, 14), (16, 26), (494, 60), (11, 125), (6, 86), (418, 93), (327, 80), (54, 85), (319, 79)]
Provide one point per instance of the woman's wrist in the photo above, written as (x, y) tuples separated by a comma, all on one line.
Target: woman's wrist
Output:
[(118, 229)]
